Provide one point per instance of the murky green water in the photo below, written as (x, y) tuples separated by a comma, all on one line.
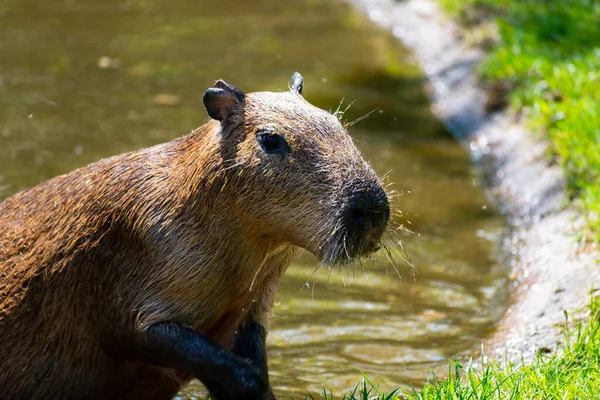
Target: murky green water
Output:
[(84, 79)]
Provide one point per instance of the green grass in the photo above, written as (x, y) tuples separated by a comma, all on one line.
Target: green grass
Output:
[(549, 54), (573, 372)]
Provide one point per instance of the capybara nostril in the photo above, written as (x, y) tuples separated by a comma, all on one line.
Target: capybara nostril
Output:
[(358, 216), (367, 218), (368, 210), (378, 217)]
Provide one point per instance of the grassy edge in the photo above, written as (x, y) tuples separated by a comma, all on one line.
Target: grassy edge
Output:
[(544, 61), (572, 372), (545, 58)]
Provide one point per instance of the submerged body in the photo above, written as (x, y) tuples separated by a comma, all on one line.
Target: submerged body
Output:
[(126, 278)]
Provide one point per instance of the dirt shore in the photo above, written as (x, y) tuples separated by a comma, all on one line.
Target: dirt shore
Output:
[(551, 271)]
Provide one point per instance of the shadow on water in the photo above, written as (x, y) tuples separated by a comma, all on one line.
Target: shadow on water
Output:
[(81, 80)]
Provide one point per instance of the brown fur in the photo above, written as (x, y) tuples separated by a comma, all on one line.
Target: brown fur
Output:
[(198, 230)]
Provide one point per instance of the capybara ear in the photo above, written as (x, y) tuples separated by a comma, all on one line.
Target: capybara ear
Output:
[(297, 83), (223, 100)]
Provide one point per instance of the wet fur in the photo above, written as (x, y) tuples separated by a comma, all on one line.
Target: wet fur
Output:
[(197, 231)]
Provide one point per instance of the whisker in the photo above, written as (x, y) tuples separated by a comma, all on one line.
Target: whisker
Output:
[(328, 275), (349, 105), (386, 175), (318, 271), (345, 246), (390, 257), (349, 124), (337, 113), (404, 256)]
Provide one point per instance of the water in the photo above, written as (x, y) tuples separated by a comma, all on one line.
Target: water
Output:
[(82, 79)]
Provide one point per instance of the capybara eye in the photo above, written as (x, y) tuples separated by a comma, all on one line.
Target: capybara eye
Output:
[(273, 143)]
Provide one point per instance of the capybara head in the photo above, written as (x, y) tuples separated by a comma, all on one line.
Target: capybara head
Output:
[(298, 176)]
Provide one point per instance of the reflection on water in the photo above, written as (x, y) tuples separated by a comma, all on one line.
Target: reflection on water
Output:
[(82, 79)]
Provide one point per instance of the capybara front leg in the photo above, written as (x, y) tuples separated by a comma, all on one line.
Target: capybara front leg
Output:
[(226, 375), (250, 344)]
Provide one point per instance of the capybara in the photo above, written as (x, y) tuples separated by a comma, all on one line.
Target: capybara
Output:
[(126, 278)]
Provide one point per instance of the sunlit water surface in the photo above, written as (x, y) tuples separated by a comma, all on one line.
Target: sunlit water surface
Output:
[(85, 79)]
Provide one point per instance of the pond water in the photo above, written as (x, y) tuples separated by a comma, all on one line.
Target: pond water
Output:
[(85, 79)]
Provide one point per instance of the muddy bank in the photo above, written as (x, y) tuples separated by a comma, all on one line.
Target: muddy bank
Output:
[(551, 271)]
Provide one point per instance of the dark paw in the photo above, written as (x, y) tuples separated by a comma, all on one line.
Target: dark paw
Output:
[(238, 379)]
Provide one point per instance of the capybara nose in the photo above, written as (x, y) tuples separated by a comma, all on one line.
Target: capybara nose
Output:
[(368, 210)]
